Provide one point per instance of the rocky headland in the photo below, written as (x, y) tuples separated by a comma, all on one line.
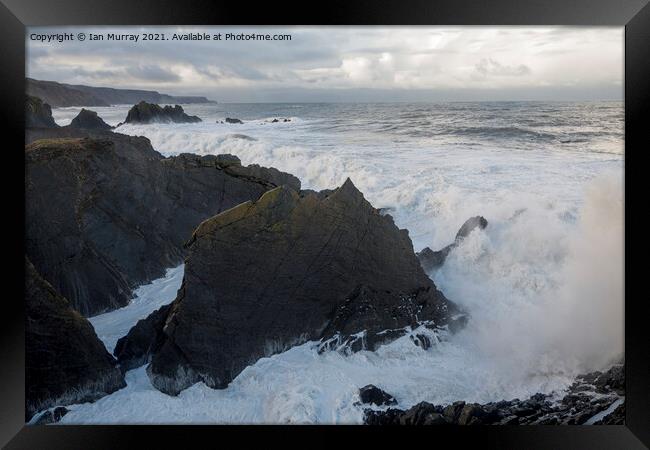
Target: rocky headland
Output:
[(62, 94)]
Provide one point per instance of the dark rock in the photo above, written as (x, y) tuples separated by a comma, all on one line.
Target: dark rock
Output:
[(134, 349), (231, 120), (52, 416), (297, 269), (452, 412), (575, 408), (431, 260), (106, 213), (469, 226), (421, 340), (227, 160), (613, 379), (373, 395), (65, 362), (145, 112), (89, 120), (38, 114), (471, 414), (616, 417)]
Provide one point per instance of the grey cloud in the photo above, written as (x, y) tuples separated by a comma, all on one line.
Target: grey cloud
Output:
[(333, 59), (490, 67), (152, 73)]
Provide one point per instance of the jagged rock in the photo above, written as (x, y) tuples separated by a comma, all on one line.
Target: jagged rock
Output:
[(469, 226), (583, 401), (106, 213), (231, 120), (145, 112), (268, 275), (52, 416), (616, 417), (421, 340), (373, 395), (38, 114), (431, 260), (89, 120), (65, 362), (134, 349)]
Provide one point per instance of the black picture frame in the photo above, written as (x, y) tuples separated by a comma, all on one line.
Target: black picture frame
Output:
[(634, 15)]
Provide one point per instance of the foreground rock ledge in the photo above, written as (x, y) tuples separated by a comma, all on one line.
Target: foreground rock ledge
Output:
[(65, 362), (106, 213), (267, 275), (596, 398)]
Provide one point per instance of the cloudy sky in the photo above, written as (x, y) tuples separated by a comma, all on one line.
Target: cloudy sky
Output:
[(346, 63)]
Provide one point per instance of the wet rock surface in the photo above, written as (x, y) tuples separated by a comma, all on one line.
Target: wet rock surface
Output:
[(371, 394), (52, 416), (590, 395), (106, 213), (267, 275), (65, 362), (145, 113), (38, 114), (432, 260), (89, 120)]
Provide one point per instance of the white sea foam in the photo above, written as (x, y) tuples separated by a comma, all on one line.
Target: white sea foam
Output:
[(543, 282), (111, 326)]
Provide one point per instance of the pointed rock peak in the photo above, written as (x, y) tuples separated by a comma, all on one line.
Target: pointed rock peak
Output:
[(348, 192)]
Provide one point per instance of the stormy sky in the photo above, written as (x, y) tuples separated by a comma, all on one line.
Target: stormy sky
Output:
[(324, 64)]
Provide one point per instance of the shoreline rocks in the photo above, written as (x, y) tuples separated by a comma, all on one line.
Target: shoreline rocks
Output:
[(145, 113), (232, 120), (431, 260), (65, 362), (106, 213), (38, 114), (87, 119), (590, 395), (314, 267)]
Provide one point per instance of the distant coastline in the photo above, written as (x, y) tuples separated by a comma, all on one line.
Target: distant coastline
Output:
[(63, 95)]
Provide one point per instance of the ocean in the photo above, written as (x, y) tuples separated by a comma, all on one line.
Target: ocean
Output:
[(543, 283)]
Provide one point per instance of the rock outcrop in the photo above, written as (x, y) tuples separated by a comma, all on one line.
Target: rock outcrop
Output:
[(106, 213), (145, 112), (89, 120), (232, 120), (38, 114), (65, 362), (268, 275), (431, 260), (590, 395), (371, 394)]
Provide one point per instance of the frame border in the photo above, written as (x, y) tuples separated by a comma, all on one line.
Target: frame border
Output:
[(15, 15)]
